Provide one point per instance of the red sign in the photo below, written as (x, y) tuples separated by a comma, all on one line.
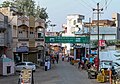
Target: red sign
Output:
[(101, 42)]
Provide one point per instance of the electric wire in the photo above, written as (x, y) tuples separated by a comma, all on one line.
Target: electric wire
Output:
[(107, 3), (87, 4), (89, 8)]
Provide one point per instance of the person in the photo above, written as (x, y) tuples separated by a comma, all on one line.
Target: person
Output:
[(96, 62), (62, 57), (53, 59), (46, 64), (79, 64), (57, 58), (113, 72), (89, 65)]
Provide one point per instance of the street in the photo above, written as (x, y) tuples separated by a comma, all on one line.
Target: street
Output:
[(61, 73)]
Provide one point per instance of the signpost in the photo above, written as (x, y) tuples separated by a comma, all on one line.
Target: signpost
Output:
[(26, 77), (59, 39)]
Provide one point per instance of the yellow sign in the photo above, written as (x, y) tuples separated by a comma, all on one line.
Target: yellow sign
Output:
[(26, 74)]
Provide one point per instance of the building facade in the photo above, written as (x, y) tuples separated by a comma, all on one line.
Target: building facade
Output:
[(74, 24), (5, 36), (116, 19), (27, 37)]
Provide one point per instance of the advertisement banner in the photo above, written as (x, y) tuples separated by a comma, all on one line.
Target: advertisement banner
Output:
[(101, 43)]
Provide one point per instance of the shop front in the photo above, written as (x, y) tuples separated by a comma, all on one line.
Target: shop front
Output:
[(23, 53)]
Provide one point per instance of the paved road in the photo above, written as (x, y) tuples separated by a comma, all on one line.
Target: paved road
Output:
[(61, 73)]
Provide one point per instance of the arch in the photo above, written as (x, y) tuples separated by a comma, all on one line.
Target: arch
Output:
[(23, 25)]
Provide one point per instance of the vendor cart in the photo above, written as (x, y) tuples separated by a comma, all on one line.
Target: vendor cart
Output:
[(92, 73)]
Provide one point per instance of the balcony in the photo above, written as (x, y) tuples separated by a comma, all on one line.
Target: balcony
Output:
[(2, 43), (2, 26), (39, 39), (23, 39)]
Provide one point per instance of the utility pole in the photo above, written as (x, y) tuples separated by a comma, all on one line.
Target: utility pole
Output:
[(98, 12), (89, 36)]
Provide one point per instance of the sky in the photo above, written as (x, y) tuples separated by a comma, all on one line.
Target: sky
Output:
[(59, 9)]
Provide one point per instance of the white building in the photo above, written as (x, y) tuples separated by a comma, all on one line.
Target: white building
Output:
[(116, 18), (74, 24)]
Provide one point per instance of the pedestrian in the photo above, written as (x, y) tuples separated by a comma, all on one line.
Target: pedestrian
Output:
[(79, 64), (57, 58), (46, 64), (62, 57), (53, 60)]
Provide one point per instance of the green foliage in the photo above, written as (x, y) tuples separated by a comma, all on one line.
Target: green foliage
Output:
[(41, 12), (27, 7), (118, 42), (94, 43), (110, 42), (6, 4)]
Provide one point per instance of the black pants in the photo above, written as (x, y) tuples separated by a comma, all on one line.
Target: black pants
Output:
[(45, 68)]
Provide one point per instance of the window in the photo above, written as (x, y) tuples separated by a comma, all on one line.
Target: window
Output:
[(40, 35), (74, 22), (30, 64), (20, 32), (21, 64), (79, 20), (31, 32), (1, 31)]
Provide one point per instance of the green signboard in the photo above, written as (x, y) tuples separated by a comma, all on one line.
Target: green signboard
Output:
[(59, 39)]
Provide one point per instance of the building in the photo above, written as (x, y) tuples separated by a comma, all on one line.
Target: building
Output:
[(74, 24), (116, 19), (27, 36), (5, 36), (102, 23)]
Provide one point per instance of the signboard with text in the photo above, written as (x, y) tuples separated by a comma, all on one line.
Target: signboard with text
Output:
[(26, 76), (101, 42), (58, 39)]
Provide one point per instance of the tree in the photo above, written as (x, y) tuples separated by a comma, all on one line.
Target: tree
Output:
[(41, 12), (27, 7), (6, 4)]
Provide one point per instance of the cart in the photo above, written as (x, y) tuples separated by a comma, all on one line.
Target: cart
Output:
[(92, 73)]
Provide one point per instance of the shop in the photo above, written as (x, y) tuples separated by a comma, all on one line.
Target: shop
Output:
[(79, 53)]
